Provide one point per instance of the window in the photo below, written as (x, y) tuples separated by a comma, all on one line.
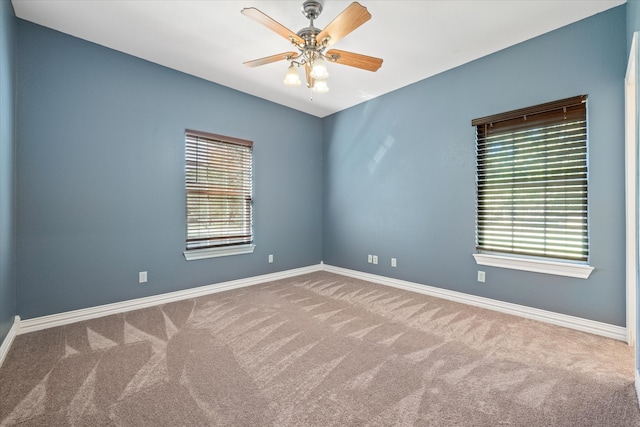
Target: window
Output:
[(219, 195), (531, 177)]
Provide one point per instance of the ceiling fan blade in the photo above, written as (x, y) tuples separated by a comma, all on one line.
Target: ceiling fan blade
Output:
[(350, 19), (270, 59), (271, 24), (351, 59), (307, 70)]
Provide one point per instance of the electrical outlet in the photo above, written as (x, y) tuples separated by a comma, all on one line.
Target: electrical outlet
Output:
[(375, 259), (270, 258), (142, 277), (369, 259), (393, 262), (481, 276)]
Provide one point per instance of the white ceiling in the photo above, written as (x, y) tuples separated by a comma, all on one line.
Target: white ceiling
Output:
[(211, 39)]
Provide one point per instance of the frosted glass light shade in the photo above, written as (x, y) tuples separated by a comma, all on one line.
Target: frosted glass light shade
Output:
[(319, 69), (320, 86), (292, 78)]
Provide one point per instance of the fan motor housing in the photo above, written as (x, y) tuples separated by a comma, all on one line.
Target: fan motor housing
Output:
[(308, 34)]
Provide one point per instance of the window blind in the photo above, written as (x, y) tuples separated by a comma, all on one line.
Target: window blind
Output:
[(531, 177), (219, 190)]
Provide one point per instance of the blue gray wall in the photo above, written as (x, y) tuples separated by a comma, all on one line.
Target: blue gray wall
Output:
[(7, 170), (399, 178), (633, 20), (100, 164)]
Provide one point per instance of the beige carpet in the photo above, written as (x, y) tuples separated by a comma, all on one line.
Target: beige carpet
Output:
[(316, 350)]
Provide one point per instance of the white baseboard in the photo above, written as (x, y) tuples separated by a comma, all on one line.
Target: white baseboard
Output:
[(580, 324), (8, 340), (38, 323), (585, 325)]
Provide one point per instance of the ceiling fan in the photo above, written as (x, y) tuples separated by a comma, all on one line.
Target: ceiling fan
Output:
[(311, 43)]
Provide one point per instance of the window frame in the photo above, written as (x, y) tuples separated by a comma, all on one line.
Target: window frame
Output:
[(222, 249), (505, 259)]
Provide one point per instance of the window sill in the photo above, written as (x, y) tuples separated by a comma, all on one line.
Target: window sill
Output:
[(195, 254), (579, 271)]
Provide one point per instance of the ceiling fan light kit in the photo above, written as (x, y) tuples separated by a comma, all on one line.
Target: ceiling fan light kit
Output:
[(292, 78), (320, 86), (319, 69), (312, 42)]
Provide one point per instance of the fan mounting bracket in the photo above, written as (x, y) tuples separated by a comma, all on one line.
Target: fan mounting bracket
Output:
[(311, 9)]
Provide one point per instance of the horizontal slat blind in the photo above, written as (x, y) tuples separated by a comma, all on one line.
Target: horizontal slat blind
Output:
[(219, 190), (532, 182)]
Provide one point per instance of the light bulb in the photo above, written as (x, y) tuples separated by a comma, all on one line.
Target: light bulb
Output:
[(292, 78), (320, 86), (319, 69)]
